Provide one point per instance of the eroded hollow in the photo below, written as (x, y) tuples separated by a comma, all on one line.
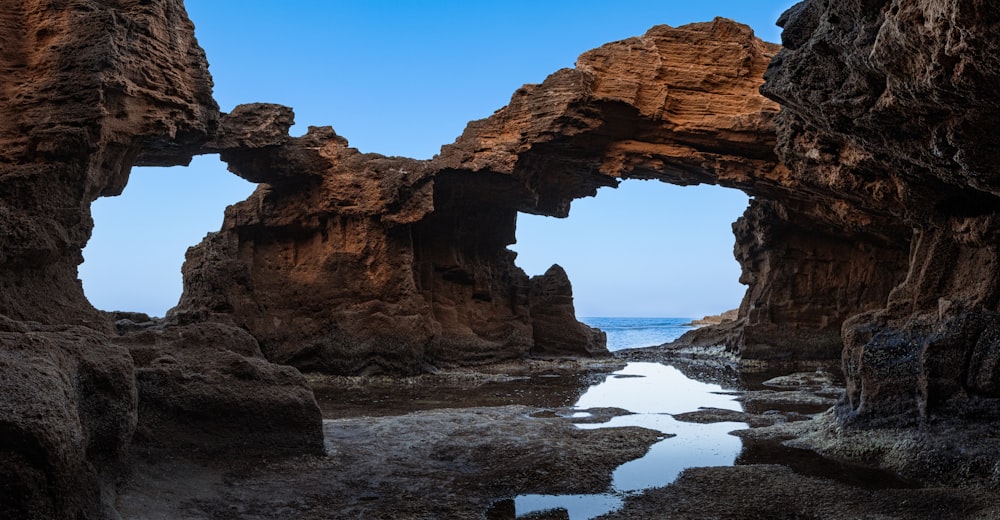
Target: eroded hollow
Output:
[(644, 250), (133, 259)]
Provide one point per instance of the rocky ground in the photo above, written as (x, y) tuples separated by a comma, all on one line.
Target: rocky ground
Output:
[(459, 443), (446, 463)]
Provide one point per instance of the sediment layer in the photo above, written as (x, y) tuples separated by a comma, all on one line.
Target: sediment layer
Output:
[(356, 263)]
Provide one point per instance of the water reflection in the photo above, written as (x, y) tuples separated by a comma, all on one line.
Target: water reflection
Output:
[(652, 392)]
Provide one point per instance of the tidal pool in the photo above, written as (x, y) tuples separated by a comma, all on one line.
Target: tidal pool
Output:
[(653, 393)]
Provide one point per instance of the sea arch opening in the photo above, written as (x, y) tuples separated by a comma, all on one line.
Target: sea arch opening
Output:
[(657, 253), (133, 259)]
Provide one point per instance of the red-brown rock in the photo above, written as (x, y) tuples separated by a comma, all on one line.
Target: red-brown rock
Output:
[(349, 262), (87, 90), (878, 207)]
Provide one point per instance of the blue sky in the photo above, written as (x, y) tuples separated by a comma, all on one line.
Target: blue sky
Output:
[(404, 78)]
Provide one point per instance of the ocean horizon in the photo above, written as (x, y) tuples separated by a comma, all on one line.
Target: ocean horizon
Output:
[(625, 332)]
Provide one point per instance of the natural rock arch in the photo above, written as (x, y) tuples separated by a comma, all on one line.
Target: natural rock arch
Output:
[(643, 249), (91, 89), (133, 258), (350, 262)]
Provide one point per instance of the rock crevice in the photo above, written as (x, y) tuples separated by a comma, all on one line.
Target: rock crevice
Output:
[(895, 103)]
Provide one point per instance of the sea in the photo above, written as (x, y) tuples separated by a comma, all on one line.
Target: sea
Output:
[(639, 332)]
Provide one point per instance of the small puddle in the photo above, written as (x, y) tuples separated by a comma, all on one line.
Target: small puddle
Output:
[(652, 392)]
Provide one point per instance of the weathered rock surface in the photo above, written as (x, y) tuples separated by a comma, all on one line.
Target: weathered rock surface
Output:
[(762, 491), (875, 201), (87, 90), (206, 389), (66, 419), (893, 104), (553, 318), (447, 463), (349, 263), (352, 263), (716, 319)]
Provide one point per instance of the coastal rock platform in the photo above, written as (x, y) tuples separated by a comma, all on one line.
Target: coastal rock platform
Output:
[(866, 140)]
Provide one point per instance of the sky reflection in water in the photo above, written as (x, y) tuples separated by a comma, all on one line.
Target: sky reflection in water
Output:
[(652, 392)]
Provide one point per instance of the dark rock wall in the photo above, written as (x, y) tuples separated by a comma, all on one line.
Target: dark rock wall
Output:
[(896, 103), (805, 277), (88, 89), (87, 86)]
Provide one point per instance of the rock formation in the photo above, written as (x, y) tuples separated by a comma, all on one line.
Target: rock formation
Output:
[(347, 262), (716, 319), (88, 90), (873, 225), (893, 106)]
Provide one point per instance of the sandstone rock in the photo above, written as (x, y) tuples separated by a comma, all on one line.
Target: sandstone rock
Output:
[(716, 319), (879, 207), (354, 263), (807, 270), (88, 103), (553, 316), (319, 263), (681, 106), (87, 90)]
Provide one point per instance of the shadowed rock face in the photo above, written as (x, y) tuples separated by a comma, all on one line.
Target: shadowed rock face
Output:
[(87, 90), (894, 104), (348, 262), (82, 103)]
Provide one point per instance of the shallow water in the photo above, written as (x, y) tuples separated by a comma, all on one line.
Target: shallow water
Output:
[(652, 392), (386, 397)]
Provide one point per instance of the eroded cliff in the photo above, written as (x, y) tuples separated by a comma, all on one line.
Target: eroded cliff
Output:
[(87, 90), (893, 104), (346, 262)]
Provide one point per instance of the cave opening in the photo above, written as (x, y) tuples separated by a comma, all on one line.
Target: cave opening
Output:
[(643, 259), (133, 259)]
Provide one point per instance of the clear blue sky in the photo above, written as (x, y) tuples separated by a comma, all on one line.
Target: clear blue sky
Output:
[(403, 78)]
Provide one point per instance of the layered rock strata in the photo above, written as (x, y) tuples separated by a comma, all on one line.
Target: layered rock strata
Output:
[(352, 263), (87, 90), (894, 105)]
